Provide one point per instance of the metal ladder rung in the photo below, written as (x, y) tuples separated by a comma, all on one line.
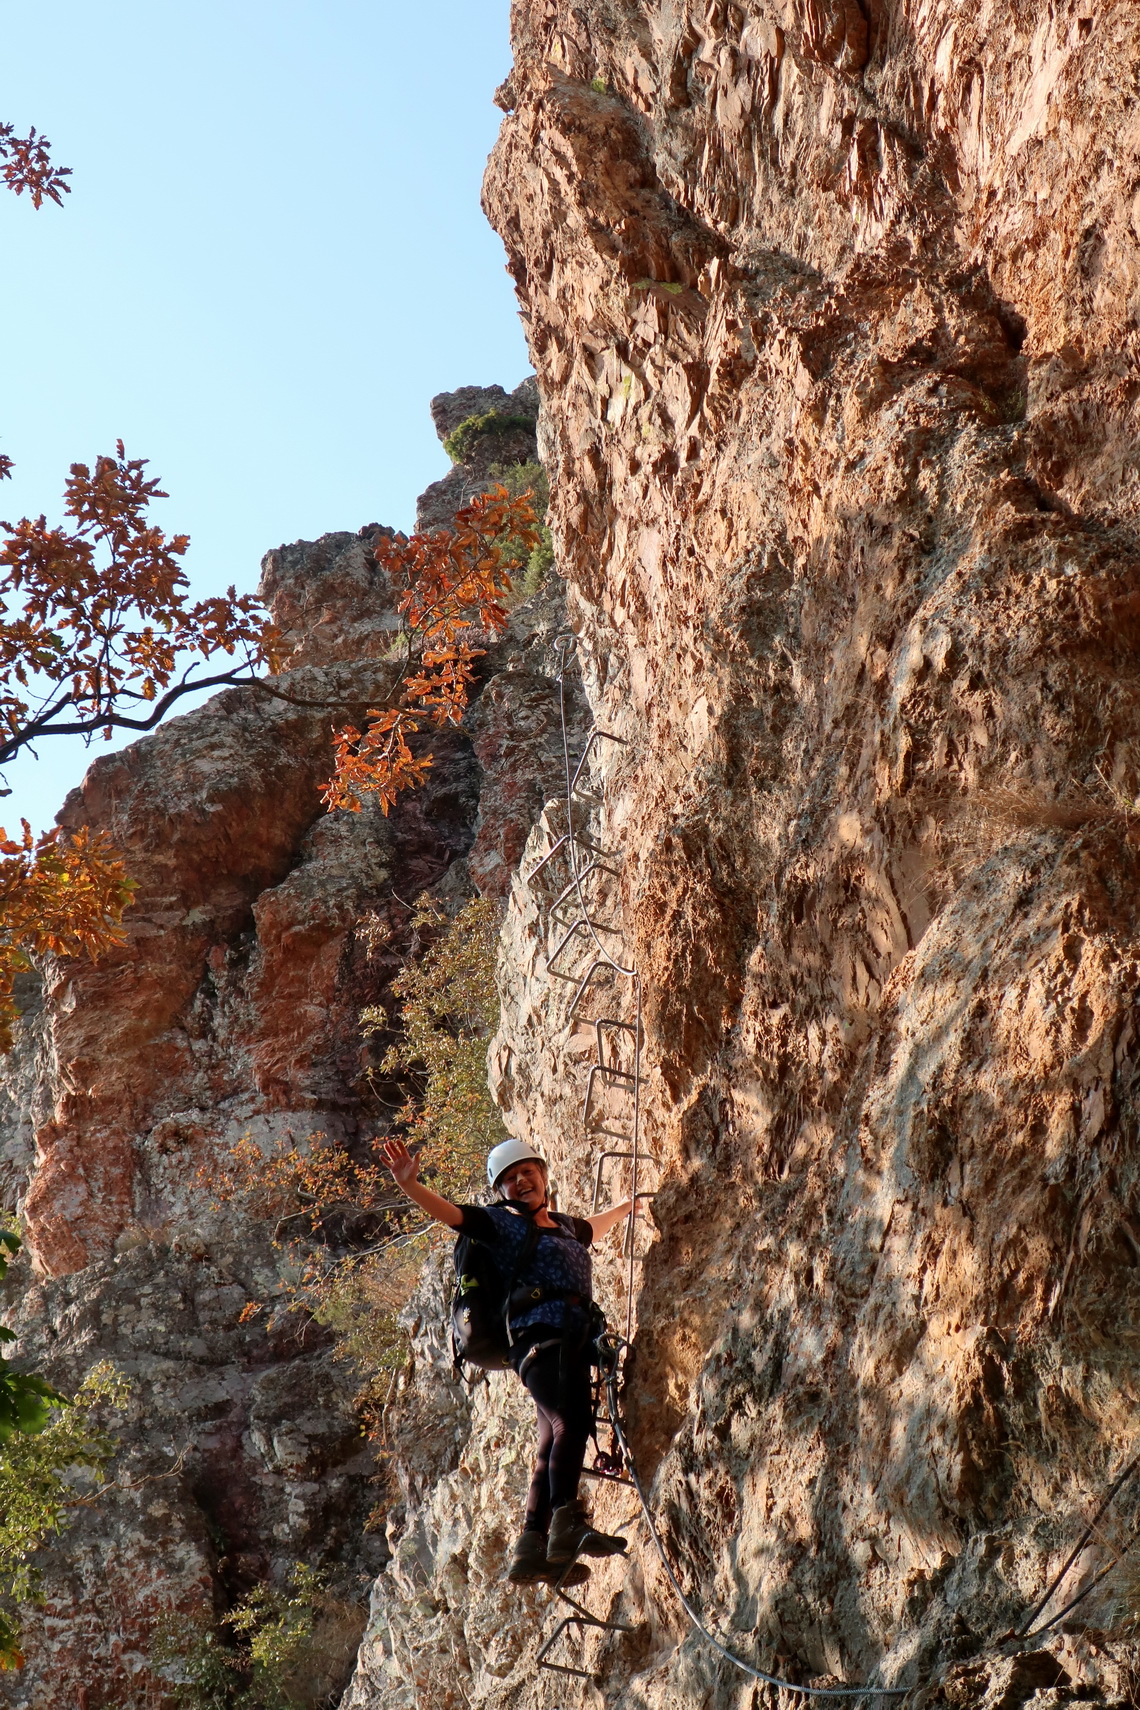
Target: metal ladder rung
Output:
[(618, 1026), (582, 1619), (549, 856), (595, 736), (598, 962), (580, 925), (579, 880), (603, 1158), (607, 1477), (584, 842), (597, 1069)]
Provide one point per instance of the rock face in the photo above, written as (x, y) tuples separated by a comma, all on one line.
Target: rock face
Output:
[(233, 1011), (506, 437), (833, 305)]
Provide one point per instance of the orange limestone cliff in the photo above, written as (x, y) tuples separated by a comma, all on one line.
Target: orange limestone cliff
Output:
[(834, 308)]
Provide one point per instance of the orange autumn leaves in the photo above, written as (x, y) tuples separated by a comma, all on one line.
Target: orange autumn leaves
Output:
[(94, 618), (27, 166), (450, 584), (65, 898), (94, 622)]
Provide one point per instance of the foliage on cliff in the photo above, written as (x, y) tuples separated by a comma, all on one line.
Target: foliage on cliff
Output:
[(25, 1401), (287, 1648), (449, 1009), (451, 583), (461, 441), (38, 1486)]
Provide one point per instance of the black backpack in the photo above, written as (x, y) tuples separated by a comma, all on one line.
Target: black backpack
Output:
[(480, 1301)]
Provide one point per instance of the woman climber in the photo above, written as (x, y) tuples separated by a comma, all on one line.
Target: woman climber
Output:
[(549, 1342)]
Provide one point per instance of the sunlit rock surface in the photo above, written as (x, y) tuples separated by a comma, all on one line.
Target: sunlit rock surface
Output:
[(833, 307)]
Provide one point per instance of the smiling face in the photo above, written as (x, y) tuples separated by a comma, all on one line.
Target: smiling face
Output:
[(525, 1182)]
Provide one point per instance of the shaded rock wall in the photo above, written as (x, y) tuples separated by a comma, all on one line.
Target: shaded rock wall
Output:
[(256, 936), (833, 308)]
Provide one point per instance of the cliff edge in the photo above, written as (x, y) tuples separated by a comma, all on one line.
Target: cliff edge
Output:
[(833, 307)]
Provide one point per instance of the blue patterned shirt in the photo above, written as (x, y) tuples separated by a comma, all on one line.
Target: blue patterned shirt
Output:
[(560, 1261)]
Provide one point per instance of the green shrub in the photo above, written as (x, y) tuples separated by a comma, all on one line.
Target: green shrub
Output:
[(461, 442), (538, 565), (531, 478), (668, 285), (36, 1492), (201, 1670), (291, 1649), (519, 478), (449, 1010), (360, 1299)]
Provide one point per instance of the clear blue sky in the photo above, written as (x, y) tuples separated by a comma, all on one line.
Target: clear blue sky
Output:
[(272, 257)]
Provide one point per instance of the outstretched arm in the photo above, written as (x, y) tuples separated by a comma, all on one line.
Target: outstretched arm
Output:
[(406, 1170), (605, 1220)]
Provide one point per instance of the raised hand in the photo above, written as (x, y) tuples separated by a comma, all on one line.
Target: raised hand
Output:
[(399, 1160)]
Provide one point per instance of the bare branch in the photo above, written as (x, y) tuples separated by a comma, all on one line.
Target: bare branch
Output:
[(45, 725)]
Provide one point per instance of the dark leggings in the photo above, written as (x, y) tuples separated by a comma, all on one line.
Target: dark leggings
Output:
[(562, 1394)]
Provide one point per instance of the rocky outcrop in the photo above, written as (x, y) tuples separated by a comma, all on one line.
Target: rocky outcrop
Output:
[(833, 310), (501, 430), (260, 927)]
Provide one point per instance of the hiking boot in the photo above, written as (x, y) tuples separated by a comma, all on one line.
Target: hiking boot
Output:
[(528, 1564), (571, 1534)]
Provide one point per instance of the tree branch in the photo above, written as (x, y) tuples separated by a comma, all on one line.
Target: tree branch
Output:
[(44, 725)]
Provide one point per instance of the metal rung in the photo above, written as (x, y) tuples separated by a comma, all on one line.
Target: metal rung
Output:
[(593, 737), (593, 927), (597, 1069), (565, 1668), (579, 880), (580, 925), (628, 1237), (549, 856), (604, 1157), (558, 913), (598, 962), (586, 843), (596, 849), (618, 1027), (583, 1613)]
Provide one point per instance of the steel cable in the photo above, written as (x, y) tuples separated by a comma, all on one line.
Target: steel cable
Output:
[(1026, 1629), (694, 1618), (563, 643)]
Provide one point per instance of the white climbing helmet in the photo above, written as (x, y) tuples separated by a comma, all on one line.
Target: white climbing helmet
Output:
[(502, 1157)]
